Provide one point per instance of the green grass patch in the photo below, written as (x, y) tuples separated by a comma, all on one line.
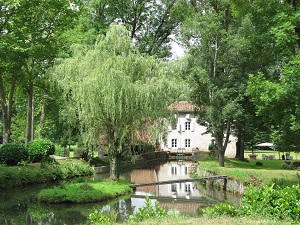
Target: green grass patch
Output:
[(84, 192), (270, 171)]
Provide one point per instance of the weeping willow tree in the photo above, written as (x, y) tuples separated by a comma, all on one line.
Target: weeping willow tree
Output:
[(117, 91)]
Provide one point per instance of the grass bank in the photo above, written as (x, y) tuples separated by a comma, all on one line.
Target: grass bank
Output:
[(84, 192), (34, 173), (266, 172)]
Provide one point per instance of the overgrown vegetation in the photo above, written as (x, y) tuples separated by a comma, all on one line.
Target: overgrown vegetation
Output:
[(35, 173), (83, 192), (150, 211), (269, 201), (103, 217)]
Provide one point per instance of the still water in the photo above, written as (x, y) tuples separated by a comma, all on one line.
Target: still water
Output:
[(20, 205)]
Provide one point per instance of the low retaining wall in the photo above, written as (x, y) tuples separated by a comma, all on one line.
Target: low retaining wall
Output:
[(233, 185), (146, 161)]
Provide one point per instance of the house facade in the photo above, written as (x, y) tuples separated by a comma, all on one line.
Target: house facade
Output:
[(186, 135)]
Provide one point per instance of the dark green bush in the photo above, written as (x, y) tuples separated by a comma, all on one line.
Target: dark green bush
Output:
[(272, 202), (12, 153), (40, 149), (258, 163)]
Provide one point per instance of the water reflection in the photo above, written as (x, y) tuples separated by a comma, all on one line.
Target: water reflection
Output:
[(20, 206)]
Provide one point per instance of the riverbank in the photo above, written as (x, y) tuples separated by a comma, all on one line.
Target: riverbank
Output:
[(257, 172), (36, 173), (84, 192)]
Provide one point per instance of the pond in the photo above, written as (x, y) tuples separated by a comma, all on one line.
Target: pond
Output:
[(20, 205)]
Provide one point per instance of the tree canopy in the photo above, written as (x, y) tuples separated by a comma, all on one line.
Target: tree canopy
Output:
[(117, 90)]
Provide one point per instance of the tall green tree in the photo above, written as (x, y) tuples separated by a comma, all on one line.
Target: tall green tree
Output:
[(12, 59), (117, 91), (278, 100), (215, 46), (151, 24), (31, 38), (276, 45)]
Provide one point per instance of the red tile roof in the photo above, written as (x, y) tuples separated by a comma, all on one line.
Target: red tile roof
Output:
[(183, 106)]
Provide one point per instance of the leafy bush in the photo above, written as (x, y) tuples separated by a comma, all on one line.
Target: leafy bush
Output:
[(12, 153), (273, 202), (224, 208), (40, 149), (102, 217), (149, 211)]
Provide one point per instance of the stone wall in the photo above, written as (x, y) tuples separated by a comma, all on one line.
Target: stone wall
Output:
[(233, 185)]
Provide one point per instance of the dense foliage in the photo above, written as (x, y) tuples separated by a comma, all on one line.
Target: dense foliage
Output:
[(272, 202), (269, 201), (12, 153), (40, 149), (130, 92), (225, 41), (149, 211), (32, 174)]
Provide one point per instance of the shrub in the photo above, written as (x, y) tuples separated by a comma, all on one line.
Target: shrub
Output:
[(103, 217), (149, 211), (273, 202), (12, 153), (224, 208), (40, 149)]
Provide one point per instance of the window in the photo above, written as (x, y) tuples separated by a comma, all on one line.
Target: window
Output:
[(173, 187), (187, 143), (174, 143), (186, 170), (174, 170), (187, 187), (187, 125)]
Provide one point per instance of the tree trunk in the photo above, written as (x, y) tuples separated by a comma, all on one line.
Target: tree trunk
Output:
[(219, 143), (115, 167), (6, 106), (42, 121), (221, 158), (221, 146), (240, 148), (30, 115)]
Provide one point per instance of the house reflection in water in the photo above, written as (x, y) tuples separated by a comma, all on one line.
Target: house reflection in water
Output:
[(174, 170)]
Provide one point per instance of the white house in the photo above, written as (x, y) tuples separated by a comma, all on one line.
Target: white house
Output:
[(187, 135)]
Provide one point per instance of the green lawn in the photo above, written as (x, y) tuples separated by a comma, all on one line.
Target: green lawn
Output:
[(270, 171)]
